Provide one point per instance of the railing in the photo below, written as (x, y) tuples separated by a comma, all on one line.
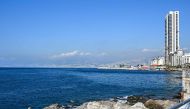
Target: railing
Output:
[(183, 105)]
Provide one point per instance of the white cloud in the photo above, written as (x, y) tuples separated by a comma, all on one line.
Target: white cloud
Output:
[(71, 54), (149, 50), (145, 50)]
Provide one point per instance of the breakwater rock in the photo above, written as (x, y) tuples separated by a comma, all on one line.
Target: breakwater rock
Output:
[(55, 106), (129, 103), (110, 105)]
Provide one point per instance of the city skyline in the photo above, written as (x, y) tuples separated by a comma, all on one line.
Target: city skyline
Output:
[(47, 33)]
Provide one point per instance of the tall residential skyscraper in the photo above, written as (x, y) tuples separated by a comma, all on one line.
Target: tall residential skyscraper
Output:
[(172, 47)]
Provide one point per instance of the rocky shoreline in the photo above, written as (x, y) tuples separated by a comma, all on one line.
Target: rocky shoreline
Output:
[(131, 102)]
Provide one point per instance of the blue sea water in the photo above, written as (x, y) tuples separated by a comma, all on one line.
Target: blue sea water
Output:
[(40, 87)]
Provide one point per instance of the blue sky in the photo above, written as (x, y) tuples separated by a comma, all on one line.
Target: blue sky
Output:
[(67, 32)]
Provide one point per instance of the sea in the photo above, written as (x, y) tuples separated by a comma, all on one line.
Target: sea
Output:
[(21, 88)]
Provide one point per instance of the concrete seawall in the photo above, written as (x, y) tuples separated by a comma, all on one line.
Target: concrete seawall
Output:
[(186, 84)]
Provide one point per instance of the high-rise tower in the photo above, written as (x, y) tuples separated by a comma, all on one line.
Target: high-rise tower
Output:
[(171, 38)]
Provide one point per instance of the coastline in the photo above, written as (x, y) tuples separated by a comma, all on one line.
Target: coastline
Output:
[(128, 102), (132, 69)]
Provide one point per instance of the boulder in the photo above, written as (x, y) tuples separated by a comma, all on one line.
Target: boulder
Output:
[(110, 105), (138, 105), (55, 106), (121, 105), (135, 99), (166, 103), (98, 105), (159, 104), (152, 104)]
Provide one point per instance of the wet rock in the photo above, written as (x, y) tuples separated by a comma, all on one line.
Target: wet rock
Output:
[(110, 105), (98, 105), (71, 104), (135, 99), (132, 102), (55, 106)]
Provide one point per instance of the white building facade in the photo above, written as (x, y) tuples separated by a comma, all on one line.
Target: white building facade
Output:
[(173, 53), (160, 61), (186, 58)]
